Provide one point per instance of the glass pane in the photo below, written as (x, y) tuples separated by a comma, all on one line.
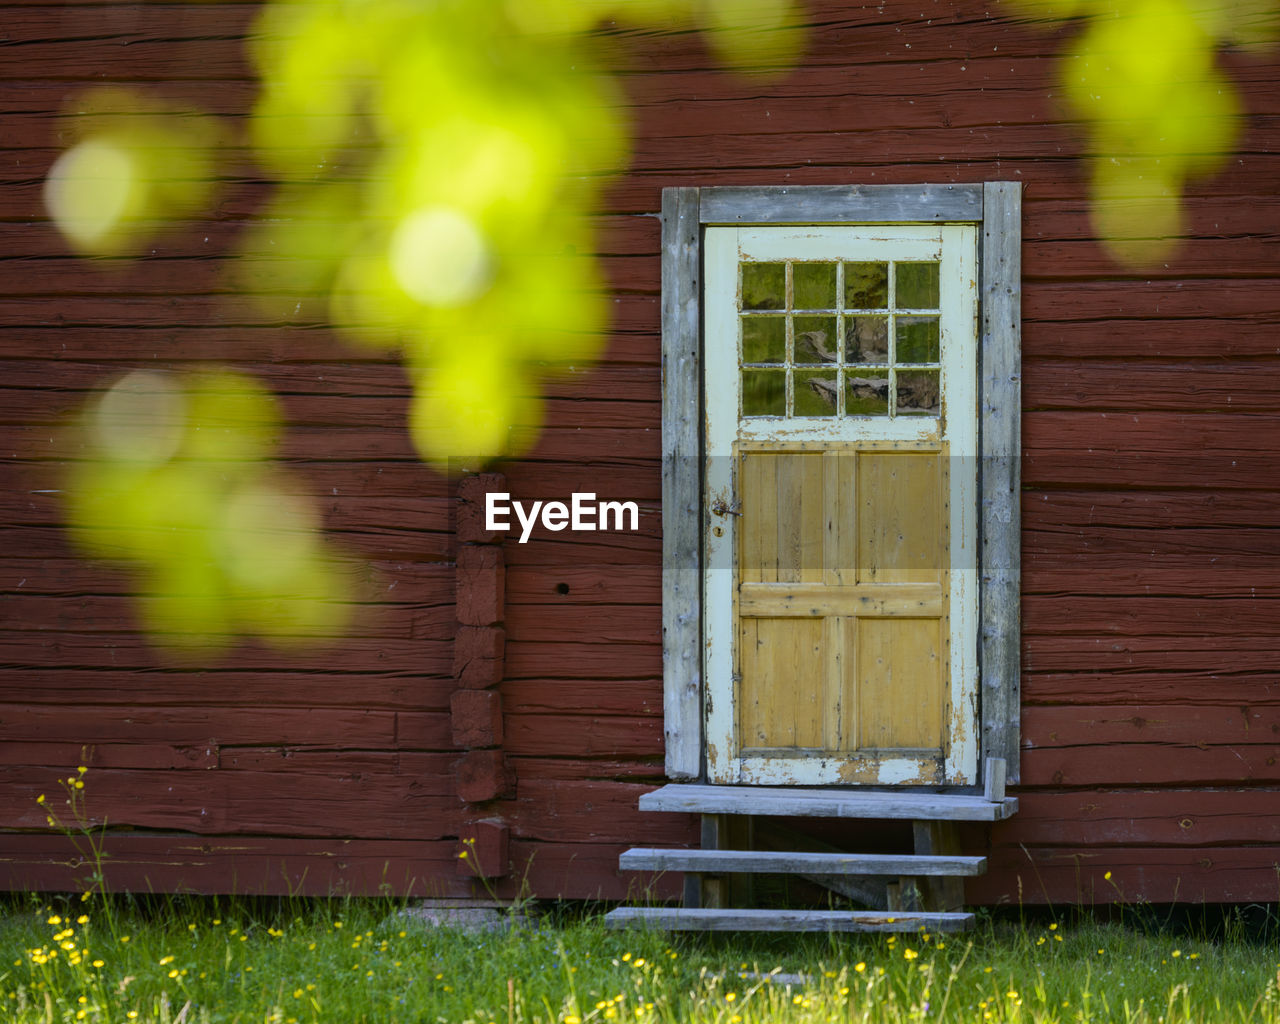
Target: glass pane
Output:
[(764, 392), (866, 339), (866, 286), (866, 393), (764, 339), (817, 392), (918, 393), (916, 286), (815, 339), (813, 285), (917, 339), (764, 286)]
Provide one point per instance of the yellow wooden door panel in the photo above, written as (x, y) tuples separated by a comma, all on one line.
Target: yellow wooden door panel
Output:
[(783, 700), (842, 606), (902, 517), (758, 558), (901, 684)]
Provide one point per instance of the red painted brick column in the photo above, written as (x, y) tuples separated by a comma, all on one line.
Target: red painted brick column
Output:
[(475, 708)]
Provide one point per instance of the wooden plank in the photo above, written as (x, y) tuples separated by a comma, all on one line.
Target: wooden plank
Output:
[(220, 726), (606, 624), (1227, 655), (1000, 483), (825, 803), (902, 682), (913, 600), (369, 805), (1063, 510), (681, 482), (127, 650), (1240, 386), (630, 697), (585, 734), (1172, 684), (108, 614), (1138, 873), (1173, 815), (571, 659), (1169, 467), (176, 862), (787, 508), (783, 693), (1134, 616), (902, 534), (245, 688), (592, 811), (706, 920), (835, 204), (780, 862)]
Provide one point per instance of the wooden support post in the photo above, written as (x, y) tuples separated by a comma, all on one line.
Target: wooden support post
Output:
[(905, 895), (714, 834), (939, 838), (993, 780)]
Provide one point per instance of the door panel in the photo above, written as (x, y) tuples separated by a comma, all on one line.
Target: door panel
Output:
[(843, 562), (840, 584)]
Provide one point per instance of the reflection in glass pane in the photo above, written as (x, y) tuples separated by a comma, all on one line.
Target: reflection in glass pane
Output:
[(815, 339), (866, 286), (866, 339), (917, 339), (764, 392), (764, 286), (764, 339), (813, 285), (916, 286), (866, 393), (817, 392), (918, 393)]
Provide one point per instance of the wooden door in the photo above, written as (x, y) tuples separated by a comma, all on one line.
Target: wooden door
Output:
[(841, 438)]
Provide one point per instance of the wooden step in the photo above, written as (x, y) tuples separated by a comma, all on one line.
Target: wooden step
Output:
[(827, 803), (716, 920), (786, 862)]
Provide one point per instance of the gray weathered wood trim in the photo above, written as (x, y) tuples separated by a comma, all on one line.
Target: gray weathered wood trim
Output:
[(689, 919), (827, 803), (780, 862), (681, 482), (997, 206), (841, 204), (1000, 425)]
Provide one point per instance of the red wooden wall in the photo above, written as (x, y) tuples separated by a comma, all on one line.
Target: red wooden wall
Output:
[(1151, 553)]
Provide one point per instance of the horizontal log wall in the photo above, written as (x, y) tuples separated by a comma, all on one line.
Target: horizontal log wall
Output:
[(1151, 550)]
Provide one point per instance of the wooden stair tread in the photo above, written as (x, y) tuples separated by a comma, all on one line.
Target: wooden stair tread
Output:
[(826, 803), (706, 919), (785, 862)]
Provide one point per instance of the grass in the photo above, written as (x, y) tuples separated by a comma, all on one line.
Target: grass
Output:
[(187, 960)]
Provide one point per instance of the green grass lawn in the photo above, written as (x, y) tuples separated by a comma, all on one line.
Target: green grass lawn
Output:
[(192, 960)]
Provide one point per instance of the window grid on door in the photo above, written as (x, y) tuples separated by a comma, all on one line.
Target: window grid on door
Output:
[(833, 339)]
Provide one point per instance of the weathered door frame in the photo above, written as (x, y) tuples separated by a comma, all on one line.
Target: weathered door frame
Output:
[(996, 208)]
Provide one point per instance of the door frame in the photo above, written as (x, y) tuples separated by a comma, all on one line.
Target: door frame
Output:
[(995, 207)]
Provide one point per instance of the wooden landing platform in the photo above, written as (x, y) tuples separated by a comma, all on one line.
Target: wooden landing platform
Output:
[(716, 920), (827, 803)]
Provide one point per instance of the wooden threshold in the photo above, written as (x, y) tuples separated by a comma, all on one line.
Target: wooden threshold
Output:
[(716, 920), (827, 803)]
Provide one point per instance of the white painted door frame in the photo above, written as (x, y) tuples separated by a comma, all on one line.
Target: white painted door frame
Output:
[(728, 433)]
